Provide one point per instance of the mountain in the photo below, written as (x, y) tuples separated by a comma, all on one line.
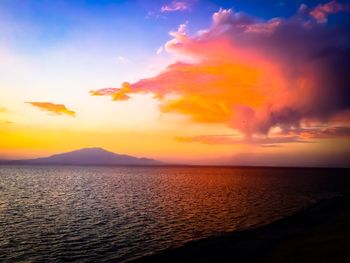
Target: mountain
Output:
[(88, 156)]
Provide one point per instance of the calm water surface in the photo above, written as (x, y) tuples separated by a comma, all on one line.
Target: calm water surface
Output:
[(121, 213)]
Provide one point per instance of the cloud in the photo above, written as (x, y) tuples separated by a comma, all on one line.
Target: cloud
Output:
[(321, 12), (229, 140), (320, 133), (175, 6), (254, 75), (6, 122), (342, 117), (57, 109), (2, 110), (123, 60), (159, 50), (299, 135), (116, 93)]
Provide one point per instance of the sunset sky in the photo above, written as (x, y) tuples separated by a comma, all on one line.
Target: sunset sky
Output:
[(196, 82)]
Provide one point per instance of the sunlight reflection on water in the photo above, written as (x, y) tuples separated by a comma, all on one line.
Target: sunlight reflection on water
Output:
[(120, 213)]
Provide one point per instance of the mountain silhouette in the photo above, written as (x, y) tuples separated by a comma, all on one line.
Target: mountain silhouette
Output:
[(88, 156)]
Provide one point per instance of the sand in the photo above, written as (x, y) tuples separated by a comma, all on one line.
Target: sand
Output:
[(319, 233)]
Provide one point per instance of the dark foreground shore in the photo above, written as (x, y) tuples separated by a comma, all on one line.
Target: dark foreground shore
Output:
[(320, 233)]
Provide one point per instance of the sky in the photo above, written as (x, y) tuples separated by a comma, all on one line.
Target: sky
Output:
[(197, 82)]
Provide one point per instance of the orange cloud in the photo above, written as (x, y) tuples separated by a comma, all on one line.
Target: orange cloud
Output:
[(117, 94), (57, 109), (253, 75)]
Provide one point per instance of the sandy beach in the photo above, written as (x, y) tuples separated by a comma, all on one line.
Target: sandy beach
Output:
[(319, 233)]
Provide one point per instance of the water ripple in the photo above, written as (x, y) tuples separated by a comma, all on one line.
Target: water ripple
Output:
[(77, 214)]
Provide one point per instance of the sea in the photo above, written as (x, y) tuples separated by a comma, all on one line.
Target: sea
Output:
[(118, 214)]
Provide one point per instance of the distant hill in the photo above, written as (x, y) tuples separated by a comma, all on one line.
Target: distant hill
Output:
[(87, 156)]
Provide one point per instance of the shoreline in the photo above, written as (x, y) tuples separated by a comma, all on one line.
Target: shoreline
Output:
[(317, 233)]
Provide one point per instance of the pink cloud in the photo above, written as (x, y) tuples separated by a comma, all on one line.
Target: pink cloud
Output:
[(175, 6), (320, 133), (321, 12)]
